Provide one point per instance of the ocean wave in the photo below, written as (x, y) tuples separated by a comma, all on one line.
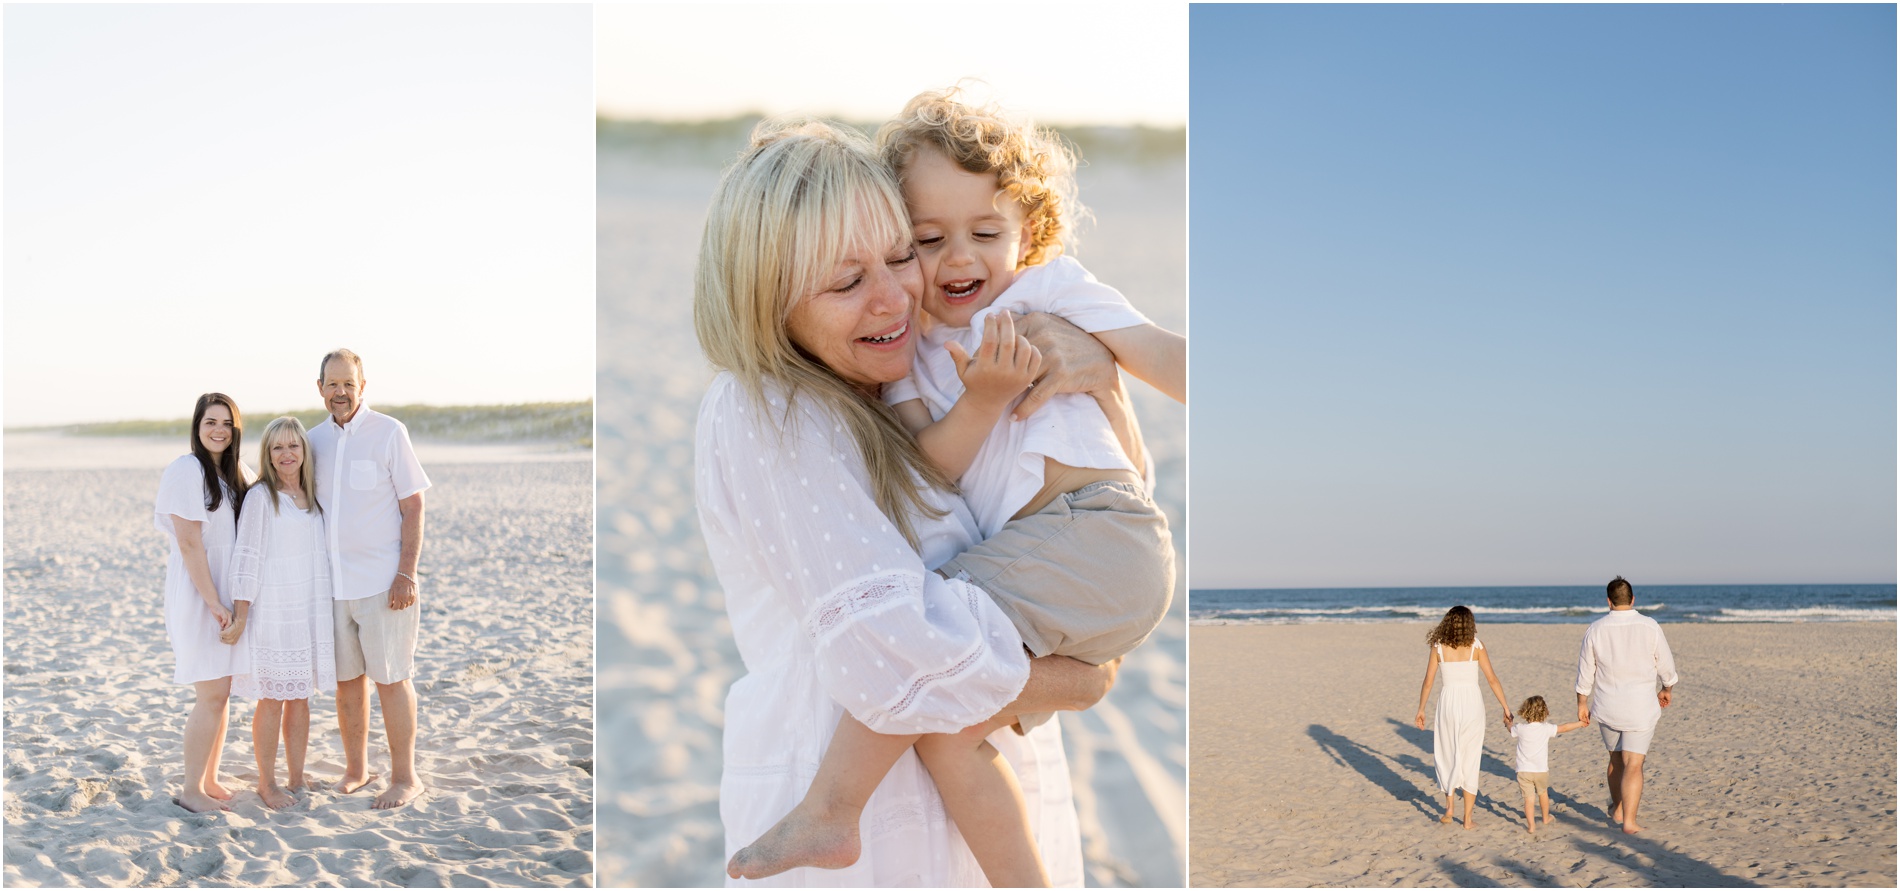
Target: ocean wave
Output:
[(1805, 614)]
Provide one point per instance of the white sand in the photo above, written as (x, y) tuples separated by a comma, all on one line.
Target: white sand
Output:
[(666, 650), (1774, 765), (505, 678)]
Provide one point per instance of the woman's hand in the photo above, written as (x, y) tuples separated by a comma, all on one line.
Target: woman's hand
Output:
[(233, 629), (1419, 719), (1073, 361), (1507, 720), (219, 612)]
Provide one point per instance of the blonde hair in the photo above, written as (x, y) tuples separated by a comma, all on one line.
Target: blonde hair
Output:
[(1457, 629), (802, 198), (267, 471), (1033, 165), (1533, 710)]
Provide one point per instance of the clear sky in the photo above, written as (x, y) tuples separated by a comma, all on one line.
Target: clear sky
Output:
[(211, 197), (1542, 294), (1060, 63)]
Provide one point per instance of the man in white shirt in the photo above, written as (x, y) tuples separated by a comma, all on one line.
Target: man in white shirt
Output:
[(1623, 655), (370, 486)]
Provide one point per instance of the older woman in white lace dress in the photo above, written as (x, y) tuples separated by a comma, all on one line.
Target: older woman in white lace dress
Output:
[(823, 521)]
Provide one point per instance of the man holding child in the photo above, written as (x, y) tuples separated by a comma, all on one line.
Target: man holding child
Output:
[(1623, 655)]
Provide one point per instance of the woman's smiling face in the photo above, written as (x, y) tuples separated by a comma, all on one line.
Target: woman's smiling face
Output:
[(215, 430), (286, 455), (860, 323)]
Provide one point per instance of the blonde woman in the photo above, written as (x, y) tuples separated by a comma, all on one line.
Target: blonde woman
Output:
[(197, 509), (280, 574), (824, 519), (1458, 726)]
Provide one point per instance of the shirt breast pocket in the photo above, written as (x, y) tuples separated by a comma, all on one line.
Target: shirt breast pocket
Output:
[(363, 475)]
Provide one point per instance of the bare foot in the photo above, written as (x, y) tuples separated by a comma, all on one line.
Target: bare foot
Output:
[(296, 784), (274, 797), (397, 795), (1631, 828), (1532, 830), (1444, 819), (217, 791), (804, 838), (1616, 814), (199, 803), (1468, 824), (350, 784)]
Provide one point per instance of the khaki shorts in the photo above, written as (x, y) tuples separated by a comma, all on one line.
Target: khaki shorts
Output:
[(375, 640), (1089, 576), (1534, 782)]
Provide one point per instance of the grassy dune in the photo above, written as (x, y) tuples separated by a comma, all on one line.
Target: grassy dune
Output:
[(718, 141), (528, 422)]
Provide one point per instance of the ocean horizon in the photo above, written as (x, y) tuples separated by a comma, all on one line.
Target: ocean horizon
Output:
[(1544, 605)]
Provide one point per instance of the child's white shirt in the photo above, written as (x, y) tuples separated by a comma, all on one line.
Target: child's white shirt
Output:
[(1070, 428), (1533, 745)]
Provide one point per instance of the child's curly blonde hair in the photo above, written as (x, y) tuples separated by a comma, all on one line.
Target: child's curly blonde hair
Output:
[(1533, 710), (1033, 165)]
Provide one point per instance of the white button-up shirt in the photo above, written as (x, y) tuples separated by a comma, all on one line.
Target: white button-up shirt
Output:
[(1623, 654), (364, 469)]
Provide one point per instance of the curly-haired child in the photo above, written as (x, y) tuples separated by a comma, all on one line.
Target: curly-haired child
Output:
[(991, 199), (1534, 731)]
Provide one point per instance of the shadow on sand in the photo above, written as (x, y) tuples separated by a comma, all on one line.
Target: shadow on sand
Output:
[(1371, 764)]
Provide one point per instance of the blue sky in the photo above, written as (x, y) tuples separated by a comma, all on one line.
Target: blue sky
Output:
[(1542, 294)]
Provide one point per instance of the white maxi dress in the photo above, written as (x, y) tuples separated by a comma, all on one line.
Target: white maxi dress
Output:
[(282, 566), (1458, 725), (198, 654), (832, 610)]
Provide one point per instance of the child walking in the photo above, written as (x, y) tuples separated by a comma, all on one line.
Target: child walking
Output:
[(281, 576), (1534, 731), (989, 216)]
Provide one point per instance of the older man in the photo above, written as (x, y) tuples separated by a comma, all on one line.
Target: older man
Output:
[(1624, 654), (370, 485)]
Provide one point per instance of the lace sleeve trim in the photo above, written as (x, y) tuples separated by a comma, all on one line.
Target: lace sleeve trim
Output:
[(861, 597)]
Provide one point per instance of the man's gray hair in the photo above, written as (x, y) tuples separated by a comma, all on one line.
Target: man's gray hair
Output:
[(340, 353)]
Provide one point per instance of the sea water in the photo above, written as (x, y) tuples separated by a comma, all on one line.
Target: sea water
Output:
[(1543, 605)]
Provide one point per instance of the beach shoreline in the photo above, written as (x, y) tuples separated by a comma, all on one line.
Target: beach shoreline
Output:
[(1773, 766)]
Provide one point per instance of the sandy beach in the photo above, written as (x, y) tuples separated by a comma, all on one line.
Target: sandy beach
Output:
[(1773, 766), (667, 655), (505, 679)]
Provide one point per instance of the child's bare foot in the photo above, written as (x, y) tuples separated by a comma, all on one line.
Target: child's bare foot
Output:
[(804, 838), (217, 791), (352, 783), (199, 803), (274, 796), (397, 795)]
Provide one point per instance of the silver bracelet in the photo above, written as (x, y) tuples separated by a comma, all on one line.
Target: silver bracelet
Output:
[(411, 578)]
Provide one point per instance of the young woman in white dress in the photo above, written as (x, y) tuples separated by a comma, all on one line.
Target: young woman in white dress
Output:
[(280, 578), (197, 510), (1458, 725)]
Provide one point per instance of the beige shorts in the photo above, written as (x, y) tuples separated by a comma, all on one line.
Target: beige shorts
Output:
[(1534, 783), (375, 640), (1089, 576), (1632, 741)]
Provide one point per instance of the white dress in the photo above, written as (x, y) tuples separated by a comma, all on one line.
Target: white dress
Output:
[(1458, 726), (282, 567), (197, 652), (832, 609)]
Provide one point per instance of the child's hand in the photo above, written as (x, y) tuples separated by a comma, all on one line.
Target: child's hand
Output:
[(1005, 363), (1507, 719), (232, 632)]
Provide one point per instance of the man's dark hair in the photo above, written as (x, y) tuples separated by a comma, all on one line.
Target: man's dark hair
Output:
[(1620, 592)]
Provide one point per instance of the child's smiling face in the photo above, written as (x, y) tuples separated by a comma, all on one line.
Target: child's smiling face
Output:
[(969, 234)]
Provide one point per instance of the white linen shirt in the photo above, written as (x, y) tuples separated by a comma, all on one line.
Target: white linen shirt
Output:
[(363, 470), (1007, 470), (832, 610), (1622, 656)]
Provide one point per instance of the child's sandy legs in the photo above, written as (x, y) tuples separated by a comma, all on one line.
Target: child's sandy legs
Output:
[(1543, 798), (822, 830), (267, 725)]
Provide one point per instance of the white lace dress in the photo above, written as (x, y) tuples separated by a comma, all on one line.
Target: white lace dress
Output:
[(832, 609), (198, 654), (282, 567)]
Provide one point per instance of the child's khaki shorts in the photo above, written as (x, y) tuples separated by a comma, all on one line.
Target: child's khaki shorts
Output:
[(1088, 577), (1533, 782)]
